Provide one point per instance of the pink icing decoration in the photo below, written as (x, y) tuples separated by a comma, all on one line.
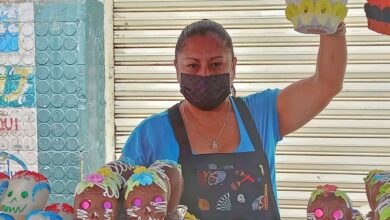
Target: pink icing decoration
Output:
[(330, 188), (107, 205), (85, 204), (318, 213), (158, 199), (94, 178), (338, 214), (137, 202)]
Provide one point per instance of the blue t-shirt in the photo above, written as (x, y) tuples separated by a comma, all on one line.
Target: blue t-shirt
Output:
[(154, 138)]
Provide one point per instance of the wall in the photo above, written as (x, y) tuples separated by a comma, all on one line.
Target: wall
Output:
[(68, 83), (18, 125)]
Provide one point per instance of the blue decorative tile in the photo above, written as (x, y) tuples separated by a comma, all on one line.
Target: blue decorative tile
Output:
[(70, 91)]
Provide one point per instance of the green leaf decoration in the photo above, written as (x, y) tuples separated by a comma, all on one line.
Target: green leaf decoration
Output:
[(82, 186), (130, 187)]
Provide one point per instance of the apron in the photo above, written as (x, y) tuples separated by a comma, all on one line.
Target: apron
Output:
[(226, 186)]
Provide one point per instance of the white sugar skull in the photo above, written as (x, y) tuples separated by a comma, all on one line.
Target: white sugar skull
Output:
[(4, 182), (27, 191), (4, 216), (43, 215), (65, 210)]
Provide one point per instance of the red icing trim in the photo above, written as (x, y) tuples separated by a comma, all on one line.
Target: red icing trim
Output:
[(67, 208), (378, 26), (53, 208), (27, 173), (4, 176), (381, 4), (328, 189)]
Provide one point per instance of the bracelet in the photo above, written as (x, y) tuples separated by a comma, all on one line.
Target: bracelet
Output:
[(340, 32)]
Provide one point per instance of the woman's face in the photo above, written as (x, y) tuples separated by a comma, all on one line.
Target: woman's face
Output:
[(205, 55)]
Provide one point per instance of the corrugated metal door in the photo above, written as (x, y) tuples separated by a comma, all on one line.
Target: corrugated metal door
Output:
[(349, 138)]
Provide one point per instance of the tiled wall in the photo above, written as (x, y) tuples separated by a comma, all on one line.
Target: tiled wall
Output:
[(62, 106), (18, 125)]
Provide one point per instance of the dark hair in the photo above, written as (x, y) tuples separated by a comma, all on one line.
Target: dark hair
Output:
[(204, 27)]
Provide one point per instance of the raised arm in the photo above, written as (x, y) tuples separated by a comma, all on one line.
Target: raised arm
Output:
[(298, 103)]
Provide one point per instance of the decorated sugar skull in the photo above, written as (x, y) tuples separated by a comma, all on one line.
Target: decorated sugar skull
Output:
[(316, 16), (146, 195), (329, 203), (43, 215), (27, 191), (4, 216), (382, 210), (170, 171), (96, 197), (155, 193), (4, 182), (65, 210), (367, 181), (124, 168), (374, 181)]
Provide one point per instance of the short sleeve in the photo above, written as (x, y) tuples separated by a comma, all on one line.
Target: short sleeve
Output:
[(152, 140), (263, 108), (135, 148)]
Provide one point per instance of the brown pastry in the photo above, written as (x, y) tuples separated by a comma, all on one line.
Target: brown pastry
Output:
[(155, 192), (123, 169), (97, 196), (373, 182), (174, 176), (327, 202), (382, 211)]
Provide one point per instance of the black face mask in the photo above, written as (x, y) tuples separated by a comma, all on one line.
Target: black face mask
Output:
[(205, 92)]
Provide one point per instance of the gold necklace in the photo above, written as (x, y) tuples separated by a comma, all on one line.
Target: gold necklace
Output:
[(213, 143)]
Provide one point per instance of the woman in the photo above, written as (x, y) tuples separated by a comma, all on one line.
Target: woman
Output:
[(226, 145)]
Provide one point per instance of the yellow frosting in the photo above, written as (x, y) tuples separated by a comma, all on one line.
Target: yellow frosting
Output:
[(322, 12), (188, 216)]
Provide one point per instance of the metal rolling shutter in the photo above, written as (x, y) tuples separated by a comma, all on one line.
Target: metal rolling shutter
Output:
[(349, 138)]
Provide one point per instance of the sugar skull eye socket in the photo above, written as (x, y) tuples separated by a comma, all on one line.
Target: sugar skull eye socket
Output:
[(338, 214), (319, 213), (85, 204), (10, 193), (158, 199), (107, 205), (24, 194), (137, 202)]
